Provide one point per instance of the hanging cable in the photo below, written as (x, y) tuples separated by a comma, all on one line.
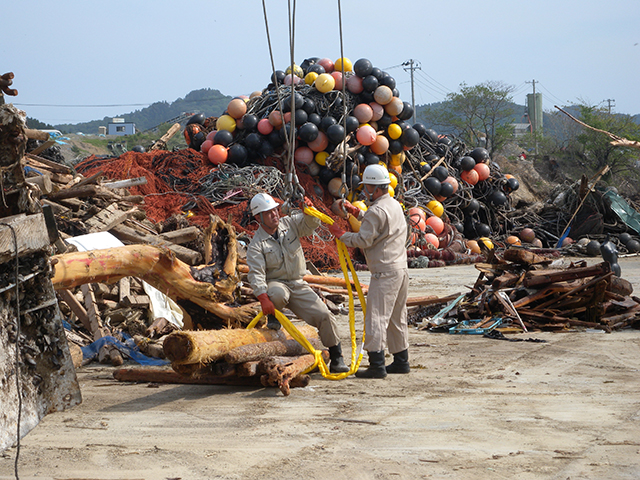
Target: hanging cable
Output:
[(343, 187)]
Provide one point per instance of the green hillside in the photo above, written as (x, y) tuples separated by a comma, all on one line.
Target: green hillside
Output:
[(206, 100)]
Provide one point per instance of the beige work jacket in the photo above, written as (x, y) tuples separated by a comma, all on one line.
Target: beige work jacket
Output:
[(382, 235), (282, 258)]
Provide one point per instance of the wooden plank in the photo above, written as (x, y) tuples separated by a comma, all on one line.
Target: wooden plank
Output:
[(53, 166), (124, 288), (106, 219), (31, 235), (76, 307), (43, 147), (95, 322)]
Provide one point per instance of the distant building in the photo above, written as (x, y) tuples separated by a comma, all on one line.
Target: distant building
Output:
[(119, 127), (102, 130)]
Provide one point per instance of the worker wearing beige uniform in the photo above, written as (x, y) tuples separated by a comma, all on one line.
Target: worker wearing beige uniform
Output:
[(276, 267), (382, 237)]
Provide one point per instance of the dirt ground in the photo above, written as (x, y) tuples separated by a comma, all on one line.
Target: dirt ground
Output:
[(471, 408)]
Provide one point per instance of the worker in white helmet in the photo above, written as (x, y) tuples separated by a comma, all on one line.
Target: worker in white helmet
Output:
[(382, 237), (276, 267)]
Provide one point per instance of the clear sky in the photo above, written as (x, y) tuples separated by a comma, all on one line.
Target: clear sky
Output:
[(82, 60)]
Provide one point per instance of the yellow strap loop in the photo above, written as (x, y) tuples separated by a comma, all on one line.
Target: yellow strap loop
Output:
[(356, 353)]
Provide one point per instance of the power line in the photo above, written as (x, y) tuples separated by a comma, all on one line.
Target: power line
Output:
[(429, 88), (432, 80), (433, 86), (551, 94), (82, 106)]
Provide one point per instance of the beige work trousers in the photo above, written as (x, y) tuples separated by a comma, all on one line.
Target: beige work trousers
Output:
[(305, 304), (386, 319)]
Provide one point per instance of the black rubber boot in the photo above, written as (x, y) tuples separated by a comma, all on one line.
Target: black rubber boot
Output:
[(376, 366), (400, 363), (337, 364), (273, 323)]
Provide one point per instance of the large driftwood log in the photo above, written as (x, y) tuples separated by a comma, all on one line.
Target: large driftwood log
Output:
[(158, 267), (206, 346), (258, 351)]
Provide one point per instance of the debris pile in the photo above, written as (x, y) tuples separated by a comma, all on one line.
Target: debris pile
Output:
[(521, 291)]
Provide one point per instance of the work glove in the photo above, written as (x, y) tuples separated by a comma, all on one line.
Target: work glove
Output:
[(336, 231), (353, 210), (268, 308), (306, 202)]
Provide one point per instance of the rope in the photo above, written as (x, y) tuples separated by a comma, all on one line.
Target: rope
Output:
[(356, 352)]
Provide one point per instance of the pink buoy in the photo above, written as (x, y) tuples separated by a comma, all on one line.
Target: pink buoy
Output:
[(432, 239), (363, 112), (337, 76), (320, 143), (206, 145), (366, 135), (378, 111), (436, 224), (354, 84), (327, 64), (265, 127), (303, 155)]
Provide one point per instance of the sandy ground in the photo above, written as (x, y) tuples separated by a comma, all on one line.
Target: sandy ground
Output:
[(471, 408)]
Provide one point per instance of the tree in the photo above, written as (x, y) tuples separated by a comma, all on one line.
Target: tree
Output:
[(596, 148), (478, 115)]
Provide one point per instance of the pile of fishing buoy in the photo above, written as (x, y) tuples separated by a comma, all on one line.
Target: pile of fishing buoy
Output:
[(356, 107)]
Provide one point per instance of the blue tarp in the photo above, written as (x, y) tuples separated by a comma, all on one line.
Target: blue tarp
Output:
[(129, 348)]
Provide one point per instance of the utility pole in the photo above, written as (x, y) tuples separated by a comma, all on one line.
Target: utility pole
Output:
[(535, 118), (412, 65), (609, 100)]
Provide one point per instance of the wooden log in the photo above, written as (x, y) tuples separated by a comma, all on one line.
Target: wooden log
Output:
[(129, 182), (158, 267), (258, 351), (168, 375), (161, 144), (183, 235), (36, 134), (430, 300), (129, 235), (206, 346), (247, 369), (279, 371), (75, 192), (43, 182), (544, 277)]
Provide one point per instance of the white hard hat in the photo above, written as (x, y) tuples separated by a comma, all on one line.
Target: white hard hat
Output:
[(262, 202), (375, 175)]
